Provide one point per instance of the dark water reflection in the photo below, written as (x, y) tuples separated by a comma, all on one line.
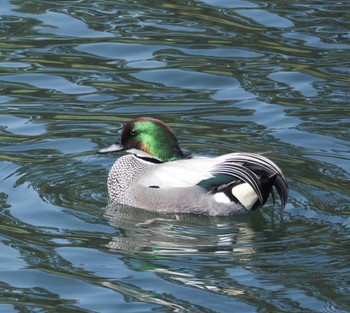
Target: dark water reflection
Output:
[(227, 76)]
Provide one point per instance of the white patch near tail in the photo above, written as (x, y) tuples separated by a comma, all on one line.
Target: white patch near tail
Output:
[(245, 194)]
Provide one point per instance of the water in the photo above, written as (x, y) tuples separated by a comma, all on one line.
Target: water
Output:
[(227, 76)]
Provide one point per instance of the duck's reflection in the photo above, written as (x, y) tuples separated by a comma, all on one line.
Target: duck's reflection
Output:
[(190, 250), (142, 231)]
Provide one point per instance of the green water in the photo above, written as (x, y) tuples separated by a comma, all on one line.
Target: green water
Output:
[(227, 76)]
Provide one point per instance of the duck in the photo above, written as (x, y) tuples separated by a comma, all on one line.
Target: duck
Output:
[(156, 175)]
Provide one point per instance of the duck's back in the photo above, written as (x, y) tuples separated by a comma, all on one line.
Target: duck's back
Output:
[(131, 181)]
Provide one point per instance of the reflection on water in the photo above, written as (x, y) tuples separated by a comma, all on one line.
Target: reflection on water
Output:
[(227, 76), (183, 249), (174, 234)]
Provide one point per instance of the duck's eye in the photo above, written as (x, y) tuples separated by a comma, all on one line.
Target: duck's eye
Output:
[(133, 132)]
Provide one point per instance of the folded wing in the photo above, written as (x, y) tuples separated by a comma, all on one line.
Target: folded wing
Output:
[(216, 174)]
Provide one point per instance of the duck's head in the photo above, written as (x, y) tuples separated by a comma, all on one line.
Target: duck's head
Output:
[(147, 137)]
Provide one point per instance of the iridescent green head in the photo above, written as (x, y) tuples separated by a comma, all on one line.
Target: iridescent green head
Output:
[(148, 135)]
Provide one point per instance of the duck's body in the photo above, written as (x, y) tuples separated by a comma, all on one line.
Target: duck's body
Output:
[(156, 175)]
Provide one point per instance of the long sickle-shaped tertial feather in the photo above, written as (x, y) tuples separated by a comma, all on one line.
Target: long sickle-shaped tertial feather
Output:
[(254, 169)]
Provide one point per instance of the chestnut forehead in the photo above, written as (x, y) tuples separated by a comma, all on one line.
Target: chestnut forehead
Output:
[(128, 126)]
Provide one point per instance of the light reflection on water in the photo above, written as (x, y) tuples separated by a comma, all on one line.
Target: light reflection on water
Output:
[(227, 76)]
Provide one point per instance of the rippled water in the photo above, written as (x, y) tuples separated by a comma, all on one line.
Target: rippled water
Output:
[(227, 76)]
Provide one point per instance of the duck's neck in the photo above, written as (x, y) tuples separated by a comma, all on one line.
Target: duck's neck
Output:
[(165, 148), (168, 152)]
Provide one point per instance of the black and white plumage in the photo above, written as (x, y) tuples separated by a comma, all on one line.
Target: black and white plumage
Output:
[(229, 184)]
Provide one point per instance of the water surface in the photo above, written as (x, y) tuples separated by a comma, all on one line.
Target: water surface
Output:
[(227, 76)]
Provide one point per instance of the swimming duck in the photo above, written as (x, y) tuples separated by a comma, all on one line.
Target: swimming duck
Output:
[(156, 175)]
